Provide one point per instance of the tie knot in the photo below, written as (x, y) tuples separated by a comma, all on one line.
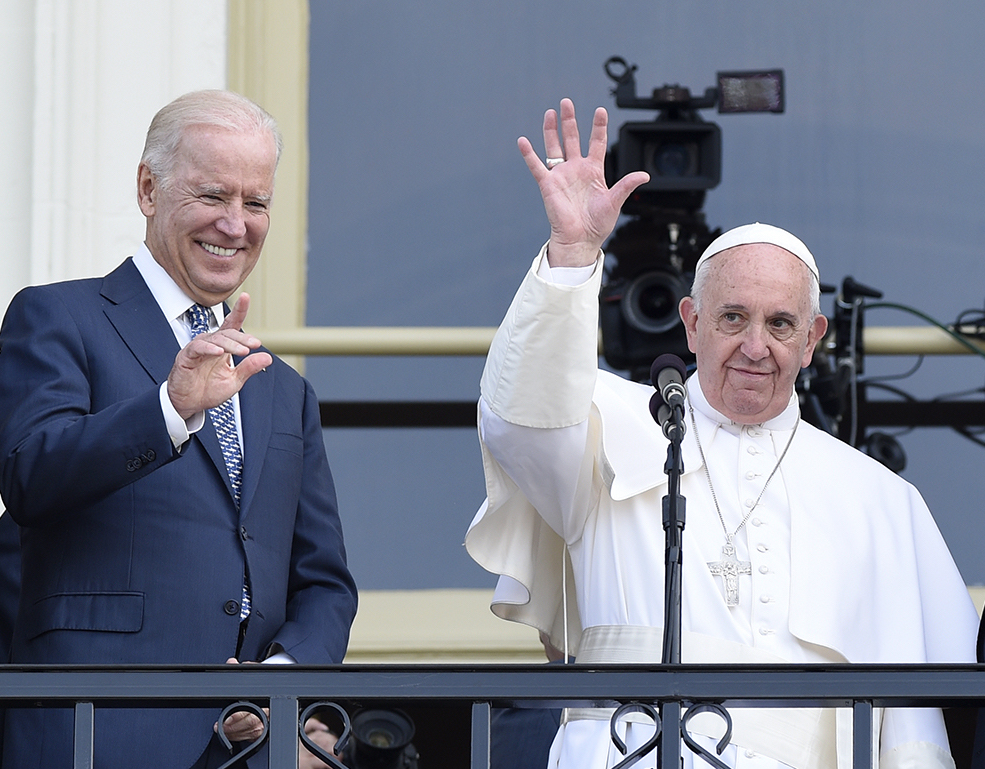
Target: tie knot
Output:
[(200, 318)]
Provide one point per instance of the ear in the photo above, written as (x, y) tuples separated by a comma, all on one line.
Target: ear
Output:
[(690, 317), (817, 331), (147, 189)]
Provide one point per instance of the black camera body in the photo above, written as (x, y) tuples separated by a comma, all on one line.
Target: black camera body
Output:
[(638, 303), (655, 252)]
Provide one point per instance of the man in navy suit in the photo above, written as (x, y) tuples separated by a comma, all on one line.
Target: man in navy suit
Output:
[(140, 542)]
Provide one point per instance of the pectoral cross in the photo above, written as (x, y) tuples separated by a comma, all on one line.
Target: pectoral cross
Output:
[(729, 569)]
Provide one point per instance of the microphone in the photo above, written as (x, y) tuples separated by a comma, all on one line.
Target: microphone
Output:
[(659, 409), (667, 374)]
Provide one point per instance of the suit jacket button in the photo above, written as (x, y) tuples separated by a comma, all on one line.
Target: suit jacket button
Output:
[(231, 608), (243, 534)]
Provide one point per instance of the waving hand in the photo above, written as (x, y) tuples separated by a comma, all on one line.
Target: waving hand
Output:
[(581, 209)]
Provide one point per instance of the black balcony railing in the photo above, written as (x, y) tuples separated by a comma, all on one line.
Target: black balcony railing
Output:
[(289, 690)]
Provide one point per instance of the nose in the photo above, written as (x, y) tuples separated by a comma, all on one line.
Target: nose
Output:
[(755, 342), (233, 221)]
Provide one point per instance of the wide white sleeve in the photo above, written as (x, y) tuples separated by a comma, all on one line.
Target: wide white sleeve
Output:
[(535, 431), (537, 391), (543, 360)]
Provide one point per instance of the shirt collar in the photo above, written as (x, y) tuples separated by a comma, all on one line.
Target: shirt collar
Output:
[(172, 300)]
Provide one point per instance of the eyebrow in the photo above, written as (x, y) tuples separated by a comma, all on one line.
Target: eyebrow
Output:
[(212, 189), (785, 314)]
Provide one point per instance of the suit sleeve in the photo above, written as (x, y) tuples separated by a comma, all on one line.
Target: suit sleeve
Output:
[(60, 451)]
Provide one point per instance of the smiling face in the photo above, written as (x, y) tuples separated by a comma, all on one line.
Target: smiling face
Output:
[(206, 227), (754, 330)]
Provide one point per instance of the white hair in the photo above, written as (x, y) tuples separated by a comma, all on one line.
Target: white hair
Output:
[(222, 109)]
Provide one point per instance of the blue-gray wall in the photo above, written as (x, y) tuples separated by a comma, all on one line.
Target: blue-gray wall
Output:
[(423, 213)]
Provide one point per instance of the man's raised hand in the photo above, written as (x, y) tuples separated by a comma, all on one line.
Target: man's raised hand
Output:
[(203, 374), (581, 209)]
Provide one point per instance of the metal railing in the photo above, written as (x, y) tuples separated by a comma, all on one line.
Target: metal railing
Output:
[(289, 690)]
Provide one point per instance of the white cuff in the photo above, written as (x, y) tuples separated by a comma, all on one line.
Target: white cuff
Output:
[(179, 429)]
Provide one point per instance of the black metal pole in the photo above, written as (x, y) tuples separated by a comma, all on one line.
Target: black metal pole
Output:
[(673, 523)]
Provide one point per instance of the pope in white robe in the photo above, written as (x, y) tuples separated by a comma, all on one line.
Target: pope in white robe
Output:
[(835, 558)]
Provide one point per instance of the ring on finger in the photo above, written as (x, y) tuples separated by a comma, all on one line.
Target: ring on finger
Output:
[(551, 162)]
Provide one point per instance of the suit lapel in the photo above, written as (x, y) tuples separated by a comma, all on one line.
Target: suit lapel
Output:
[(255, 414), (138, 319)]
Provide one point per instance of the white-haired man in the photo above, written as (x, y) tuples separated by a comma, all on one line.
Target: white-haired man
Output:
[(168, 475), (836, 559)]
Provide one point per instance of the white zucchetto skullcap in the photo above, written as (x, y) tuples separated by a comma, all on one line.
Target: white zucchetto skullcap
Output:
[(748, 234)]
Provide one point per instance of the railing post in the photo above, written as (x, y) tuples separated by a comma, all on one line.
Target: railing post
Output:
[(84, 722), (481, 714), (862, 734), (283, 731), (670, 735)]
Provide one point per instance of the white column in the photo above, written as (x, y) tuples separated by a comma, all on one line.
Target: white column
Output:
[(86, 78), (16, 95)]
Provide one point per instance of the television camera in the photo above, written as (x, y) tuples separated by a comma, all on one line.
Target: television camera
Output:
[(657, 248)]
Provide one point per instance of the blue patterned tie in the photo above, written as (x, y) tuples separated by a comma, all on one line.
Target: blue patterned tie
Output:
[(223, 419)]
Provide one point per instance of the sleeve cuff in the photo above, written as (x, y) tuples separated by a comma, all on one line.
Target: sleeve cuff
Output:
[(179, 429)]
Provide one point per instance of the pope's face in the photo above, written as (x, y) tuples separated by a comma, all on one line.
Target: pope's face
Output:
[(754, 331), (208, 226)]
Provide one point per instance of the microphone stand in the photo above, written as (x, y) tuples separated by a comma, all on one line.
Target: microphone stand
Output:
[(667, 410), (673, 522)]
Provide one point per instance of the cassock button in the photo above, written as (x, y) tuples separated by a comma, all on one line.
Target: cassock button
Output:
[(231, 608), (764, 599), (756, 521), (764, 569), (762, 548)]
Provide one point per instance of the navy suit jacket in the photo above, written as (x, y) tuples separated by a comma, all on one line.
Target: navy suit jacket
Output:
[(134, 552)]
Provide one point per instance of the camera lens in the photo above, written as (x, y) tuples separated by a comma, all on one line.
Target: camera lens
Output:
[(380, 738), (650, 302), (673, 159)]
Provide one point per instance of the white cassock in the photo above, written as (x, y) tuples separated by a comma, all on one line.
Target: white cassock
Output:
[(845, 561)]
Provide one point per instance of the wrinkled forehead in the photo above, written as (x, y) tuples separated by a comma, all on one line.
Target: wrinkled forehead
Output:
[(760, 276)]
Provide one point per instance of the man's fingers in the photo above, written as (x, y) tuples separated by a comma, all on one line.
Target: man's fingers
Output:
[(234, 320), (569, 130), (201, 349), (314, 725), (534, 163), (623, 188), (597, 142), (552, 142), (243, 726), (252, 364)]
